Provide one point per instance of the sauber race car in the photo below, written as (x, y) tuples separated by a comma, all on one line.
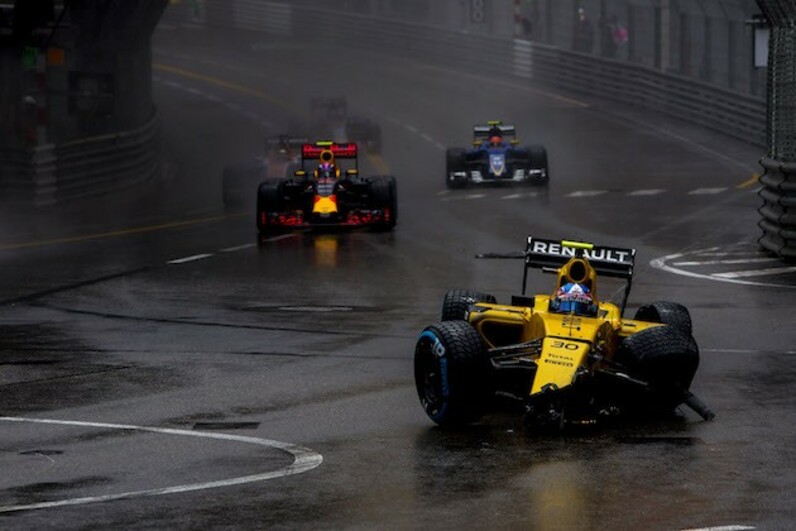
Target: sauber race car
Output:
[(494, 159), (329, 118), (565, 357), (327, 195), (282, 157)]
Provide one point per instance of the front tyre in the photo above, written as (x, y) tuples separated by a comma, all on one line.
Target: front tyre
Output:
[(451, 373), (384, 197), (268, 202)]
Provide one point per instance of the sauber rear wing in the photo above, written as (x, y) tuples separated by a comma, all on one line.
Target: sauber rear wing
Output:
[(482, 131)]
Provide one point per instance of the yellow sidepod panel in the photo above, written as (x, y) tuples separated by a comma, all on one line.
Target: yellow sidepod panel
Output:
[(559, 362)]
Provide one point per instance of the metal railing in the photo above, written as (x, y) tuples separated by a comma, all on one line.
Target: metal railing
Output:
[(51, 174)]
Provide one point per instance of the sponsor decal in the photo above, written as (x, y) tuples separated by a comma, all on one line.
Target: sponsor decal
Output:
[(603, 254)]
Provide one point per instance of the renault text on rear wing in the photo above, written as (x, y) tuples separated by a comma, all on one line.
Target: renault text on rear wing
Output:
[(608, 261)]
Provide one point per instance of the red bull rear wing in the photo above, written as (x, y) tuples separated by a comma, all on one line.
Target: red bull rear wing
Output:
[(339, 151)]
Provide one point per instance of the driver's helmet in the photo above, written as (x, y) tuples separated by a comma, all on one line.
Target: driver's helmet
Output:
[(326, 170), (495, 140), (573, 298)]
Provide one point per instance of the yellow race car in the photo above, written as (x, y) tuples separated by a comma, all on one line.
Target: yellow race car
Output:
[(565, 357)]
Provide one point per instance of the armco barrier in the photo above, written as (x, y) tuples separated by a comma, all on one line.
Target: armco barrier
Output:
[(109, 162), (778, 213), (51, 174)]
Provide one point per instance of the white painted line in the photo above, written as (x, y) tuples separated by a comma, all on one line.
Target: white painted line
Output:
[(707, 191), (440, 146), (756, 272), (734, 261), (474, 196), (512, 196), (304, 460), (660, 263), (427, 138), (238, 248), (195, 92), (443, 192), (189, 258), (651, 191), (411, 128), (586, 193), (282, 237), (722, 528)]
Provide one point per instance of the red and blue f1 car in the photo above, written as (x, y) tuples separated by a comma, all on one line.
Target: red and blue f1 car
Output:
[(496, 159)]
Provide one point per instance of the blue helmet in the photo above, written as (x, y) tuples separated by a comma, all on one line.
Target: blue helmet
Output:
[(573, 298)]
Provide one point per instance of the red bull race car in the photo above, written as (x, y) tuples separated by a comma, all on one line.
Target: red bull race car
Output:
[(327, 194), (496, 158)]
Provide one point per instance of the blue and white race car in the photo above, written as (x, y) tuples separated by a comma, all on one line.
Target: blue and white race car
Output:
[(496, 158)]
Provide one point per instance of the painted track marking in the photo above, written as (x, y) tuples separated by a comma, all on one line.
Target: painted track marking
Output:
[(304, 460), (192, 258), (668, 263)]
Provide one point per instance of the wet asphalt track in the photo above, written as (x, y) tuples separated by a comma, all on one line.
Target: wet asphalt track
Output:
[(158, 309)]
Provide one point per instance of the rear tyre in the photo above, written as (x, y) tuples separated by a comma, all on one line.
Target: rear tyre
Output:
[(454, 162), (451, 373), (457, 303), (664, 357), (668, 313)]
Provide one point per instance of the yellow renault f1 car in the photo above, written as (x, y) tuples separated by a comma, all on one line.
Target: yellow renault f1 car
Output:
[(566, 357)]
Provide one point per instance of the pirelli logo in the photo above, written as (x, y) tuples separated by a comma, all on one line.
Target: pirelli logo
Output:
[(602, 254)]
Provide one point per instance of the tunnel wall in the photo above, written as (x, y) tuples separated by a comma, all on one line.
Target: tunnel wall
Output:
[(76, 110)]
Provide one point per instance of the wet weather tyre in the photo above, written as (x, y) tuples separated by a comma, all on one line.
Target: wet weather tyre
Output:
[(454, 161), (537, 158), (384, 196), (451, 373), (457, 302), (668, 313), (268, 201), (666, 358)]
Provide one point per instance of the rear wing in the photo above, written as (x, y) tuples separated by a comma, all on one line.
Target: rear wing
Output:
[(549, 255), (327, 151), (482, 131), (340, 151), (607, 261)]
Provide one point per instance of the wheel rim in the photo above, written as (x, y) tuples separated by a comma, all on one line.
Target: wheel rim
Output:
[(428, 377)]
